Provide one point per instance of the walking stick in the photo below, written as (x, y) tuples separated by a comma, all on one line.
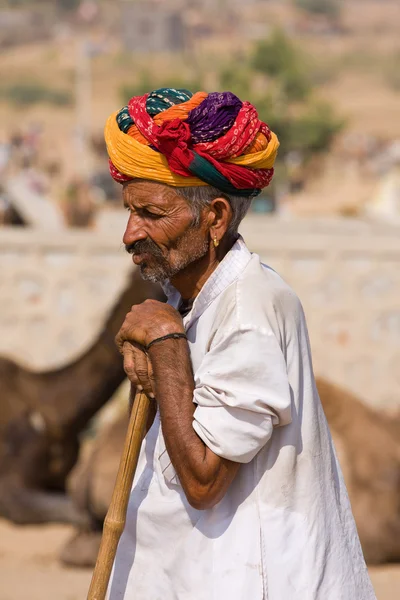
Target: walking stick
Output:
[(116, 515)]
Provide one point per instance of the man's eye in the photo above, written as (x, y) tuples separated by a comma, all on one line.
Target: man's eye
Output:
[(150, 215)]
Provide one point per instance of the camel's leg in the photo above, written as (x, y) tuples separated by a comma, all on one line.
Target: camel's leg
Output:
[(82, 549), (28, 506)]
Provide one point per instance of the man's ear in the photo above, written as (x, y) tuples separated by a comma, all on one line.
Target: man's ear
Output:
[(220, 217)]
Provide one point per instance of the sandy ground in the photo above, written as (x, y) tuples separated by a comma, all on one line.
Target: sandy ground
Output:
[(29, 567)]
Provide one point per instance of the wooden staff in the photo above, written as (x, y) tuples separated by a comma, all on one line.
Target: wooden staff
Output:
[(116, 515)]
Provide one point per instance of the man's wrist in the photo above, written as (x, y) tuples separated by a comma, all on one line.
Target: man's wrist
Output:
[(163, 331), (164, 338), (167, 345)]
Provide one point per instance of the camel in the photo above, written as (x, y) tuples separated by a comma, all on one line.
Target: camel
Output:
[(42, 415), (367, 445)]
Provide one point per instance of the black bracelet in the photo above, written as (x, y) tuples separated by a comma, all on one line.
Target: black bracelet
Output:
[(173, 336)]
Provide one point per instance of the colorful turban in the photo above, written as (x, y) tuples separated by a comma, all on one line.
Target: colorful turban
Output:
[(182, 139)]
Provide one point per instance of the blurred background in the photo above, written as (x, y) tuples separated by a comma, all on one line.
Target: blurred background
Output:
[(325, 76)]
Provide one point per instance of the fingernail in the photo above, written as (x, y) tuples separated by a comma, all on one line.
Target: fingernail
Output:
[(152, 395), (139, 388)]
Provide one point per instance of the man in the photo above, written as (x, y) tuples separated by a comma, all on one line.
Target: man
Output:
[(238, 494)]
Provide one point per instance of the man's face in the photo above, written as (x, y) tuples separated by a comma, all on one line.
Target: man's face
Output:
[(159, 233)]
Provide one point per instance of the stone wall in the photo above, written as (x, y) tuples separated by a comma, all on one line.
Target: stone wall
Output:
[(57, 289)]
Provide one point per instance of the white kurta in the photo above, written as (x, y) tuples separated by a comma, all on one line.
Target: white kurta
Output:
[(284, 530)]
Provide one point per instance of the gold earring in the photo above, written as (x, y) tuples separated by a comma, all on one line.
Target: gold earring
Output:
[(216, 242)]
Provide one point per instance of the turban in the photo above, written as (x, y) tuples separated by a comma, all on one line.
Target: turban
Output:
[(182, 139)]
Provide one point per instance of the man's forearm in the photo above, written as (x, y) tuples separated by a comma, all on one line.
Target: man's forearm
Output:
[(174, 394), (203, 475)]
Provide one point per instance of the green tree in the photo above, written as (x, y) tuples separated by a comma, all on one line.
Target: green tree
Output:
[(279, 59), (29, 93), (236, 80), (314, 130), (274, 55)]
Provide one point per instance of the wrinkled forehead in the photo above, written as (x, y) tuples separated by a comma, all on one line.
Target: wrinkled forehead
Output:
[(140, 192)]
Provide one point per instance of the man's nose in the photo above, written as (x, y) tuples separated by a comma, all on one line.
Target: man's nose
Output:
[(134, 230)]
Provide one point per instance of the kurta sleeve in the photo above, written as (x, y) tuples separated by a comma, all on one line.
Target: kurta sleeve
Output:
[(241, 391)]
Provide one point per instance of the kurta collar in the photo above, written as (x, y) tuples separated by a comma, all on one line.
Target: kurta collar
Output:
[(226, 273)]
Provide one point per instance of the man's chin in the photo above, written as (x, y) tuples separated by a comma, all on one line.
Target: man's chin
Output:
[(153, 275)]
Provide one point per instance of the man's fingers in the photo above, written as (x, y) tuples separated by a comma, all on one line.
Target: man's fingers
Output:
[(129, 362), (124, 334), (119, 342), (138, 368), (121, 338)]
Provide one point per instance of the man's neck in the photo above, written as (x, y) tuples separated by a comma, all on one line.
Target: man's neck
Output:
[(190, 280)]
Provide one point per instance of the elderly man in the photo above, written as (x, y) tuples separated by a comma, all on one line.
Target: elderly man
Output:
[(238, 494)]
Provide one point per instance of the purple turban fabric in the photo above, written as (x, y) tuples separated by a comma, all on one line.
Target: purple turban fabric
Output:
[(214, 116)]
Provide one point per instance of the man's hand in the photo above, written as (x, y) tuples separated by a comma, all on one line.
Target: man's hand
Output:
[(148, 321), (138, 368), (144, 323)]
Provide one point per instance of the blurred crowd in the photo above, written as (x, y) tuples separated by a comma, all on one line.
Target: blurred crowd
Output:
[(77, 197)]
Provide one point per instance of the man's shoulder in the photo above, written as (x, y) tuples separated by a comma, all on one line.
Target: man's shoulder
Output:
[(259, 297), (268, 286)]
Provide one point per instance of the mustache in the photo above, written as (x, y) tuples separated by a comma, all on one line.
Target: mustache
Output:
[(144, 247)]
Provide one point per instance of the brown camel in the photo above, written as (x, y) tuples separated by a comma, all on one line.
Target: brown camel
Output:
[(369, 453), (368, 447), (42, 415)]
